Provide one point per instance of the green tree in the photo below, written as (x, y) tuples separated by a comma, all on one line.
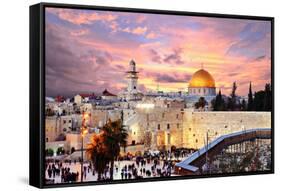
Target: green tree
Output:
[(231, 104), (233, 92), (263, 99), (97, 152), (250, 99), (268, 98), (49, 152), (218, 103), (105, 147), (60, 151), (115, 137), (201, 103), (244, 105), (259, 101)]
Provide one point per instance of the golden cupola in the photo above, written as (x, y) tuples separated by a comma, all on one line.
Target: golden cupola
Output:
[(202, 79), (202, 84)]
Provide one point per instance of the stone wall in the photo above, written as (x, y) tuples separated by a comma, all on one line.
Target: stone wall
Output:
[(161, 128), (197, 124), (99, 117), (157, 128), (132, 149)]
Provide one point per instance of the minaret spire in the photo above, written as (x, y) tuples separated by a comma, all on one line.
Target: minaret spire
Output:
[(132, 76)]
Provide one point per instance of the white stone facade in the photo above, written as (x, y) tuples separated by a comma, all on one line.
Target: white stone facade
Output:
[(202, 91)]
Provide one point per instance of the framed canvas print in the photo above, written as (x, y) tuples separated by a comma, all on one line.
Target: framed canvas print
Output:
[(121, 95)]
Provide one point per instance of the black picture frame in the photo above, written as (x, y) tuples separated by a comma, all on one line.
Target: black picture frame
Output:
[(37, 91)]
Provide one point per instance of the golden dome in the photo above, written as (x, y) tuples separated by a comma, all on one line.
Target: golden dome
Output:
[(202, 79)]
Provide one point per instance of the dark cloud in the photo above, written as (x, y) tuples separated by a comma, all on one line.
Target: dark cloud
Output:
[(155, 57), (69, 72), (233, 74), (121, 67), (248, 40), (259, 58), (174, 57), (172, 78)]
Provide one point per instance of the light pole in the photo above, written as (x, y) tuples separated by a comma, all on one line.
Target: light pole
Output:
[(83, 131), (207, 140)]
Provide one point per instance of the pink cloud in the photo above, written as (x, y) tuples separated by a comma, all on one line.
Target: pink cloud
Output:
[(81, 17), (80, 32), (137, 30), (151, 35), (207, 45), (140, 19)]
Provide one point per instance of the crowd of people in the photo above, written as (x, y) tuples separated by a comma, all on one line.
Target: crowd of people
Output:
[(140, 169), (158, 164), (56, 169)]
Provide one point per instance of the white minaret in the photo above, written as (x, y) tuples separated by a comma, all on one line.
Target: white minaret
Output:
[(132, 76)]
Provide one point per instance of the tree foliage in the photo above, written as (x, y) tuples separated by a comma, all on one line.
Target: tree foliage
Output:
[(260, 101), (49, 152), (218, 103), (106, 146), (250, 106), (201, 103)]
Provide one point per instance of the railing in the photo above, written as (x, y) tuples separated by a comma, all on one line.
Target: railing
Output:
[(229, 139)]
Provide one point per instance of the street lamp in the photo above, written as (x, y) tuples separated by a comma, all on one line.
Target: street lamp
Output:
[(207, 147), (83, 131)]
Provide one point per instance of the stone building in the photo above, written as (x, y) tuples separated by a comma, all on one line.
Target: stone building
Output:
[(156, 127), (78, 99), (106, 95), (57, 127)]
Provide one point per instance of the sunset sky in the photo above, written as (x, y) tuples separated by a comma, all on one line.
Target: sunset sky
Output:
[(88, 51)]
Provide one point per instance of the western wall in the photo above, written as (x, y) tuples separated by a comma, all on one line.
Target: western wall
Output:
[(197, 124)]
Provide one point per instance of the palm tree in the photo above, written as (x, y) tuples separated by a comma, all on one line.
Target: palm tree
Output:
[(97, 152), (115, 137)]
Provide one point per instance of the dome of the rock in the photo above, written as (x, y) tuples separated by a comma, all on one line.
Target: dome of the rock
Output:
[(202, 78), (202, 84)]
